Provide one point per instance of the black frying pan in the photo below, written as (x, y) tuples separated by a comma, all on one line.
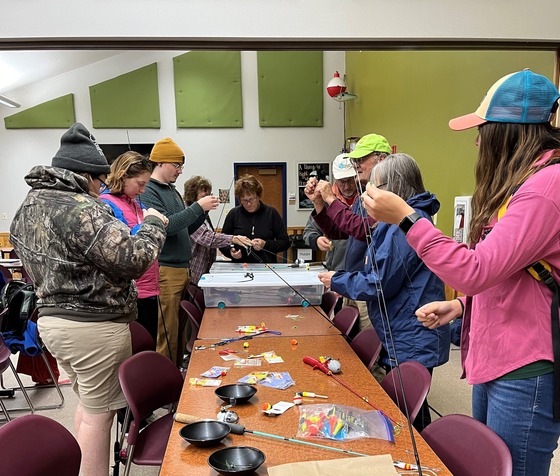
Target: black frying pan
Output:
[(235, 393), (238, 460), (205, 433)]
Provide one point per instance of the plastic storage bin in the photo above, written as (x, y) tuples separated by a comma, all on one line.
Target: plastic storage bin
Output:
[(286, 288)]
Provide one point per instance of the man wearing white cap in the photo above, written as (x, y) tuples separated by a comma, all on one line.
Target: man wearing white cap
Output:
[(339, 221), (345, 190)]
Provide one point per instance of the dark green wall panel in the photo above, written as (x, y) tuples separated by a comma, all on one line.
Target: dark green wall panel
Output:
[(127, 101), (290, 88), (208, 89), (55, 114)]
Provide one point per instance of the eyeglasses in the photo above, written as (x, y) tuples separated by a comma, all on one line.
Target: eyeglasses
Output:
[(248, 201), (382, 185), (345, 182), (178, 166), (103, 186), (366, 157)]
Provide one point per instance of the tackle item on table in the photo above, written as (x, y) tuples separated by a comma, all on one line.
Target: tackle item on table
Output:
[(279, 380), (344, 423)]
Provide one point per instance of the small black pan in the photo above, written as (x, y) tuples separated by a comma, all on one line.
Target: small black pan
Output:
[(235, 393), (238, 460), (205, 433)]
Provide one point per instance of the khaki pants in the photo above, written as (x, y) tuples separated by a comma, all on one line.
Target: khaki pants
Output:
[(364, 320), (172, 335)]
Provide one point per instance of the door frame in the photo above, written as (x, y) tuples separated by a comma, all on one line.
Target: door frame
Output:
[(283, 166)]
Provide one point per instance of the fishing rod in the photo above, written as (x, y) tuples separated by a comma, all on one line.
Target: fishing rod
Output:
[(238, 429), (235, 339), (323, 368), (370, 255)]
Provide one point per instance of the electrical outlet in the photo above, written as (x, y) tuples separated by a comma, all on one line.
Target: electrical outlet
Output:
[(4, 216)]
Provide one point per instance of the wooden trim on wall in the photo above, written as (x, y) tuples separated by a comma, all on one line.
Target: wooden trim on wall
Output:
[(5, 240)]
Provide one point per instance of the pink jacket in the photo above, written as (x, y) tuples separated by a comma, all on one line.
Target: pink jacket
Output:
[(132, 214), (510, 319)]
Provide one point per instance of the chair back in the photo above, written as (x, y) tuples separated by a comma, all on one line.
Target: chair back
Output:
[(34, 445), (367, 346), (6, 273), (416, 382), (196, 296), (149, 381), (345, 320), (468, 447), (328, 303), (195, 318), (141, 338)]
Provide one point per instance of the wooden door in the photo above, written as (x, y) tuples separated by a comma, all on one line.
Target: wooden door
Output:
[(273, 179)]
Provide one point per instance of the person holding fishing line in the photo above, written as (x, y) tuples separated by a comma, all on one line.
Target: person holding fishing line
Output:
[(510, 336), (395, 282), (259, 222)]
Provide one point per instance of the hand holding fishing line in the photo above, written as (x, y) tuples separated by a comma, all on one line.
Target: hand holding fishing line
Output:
[(152, 212), (439, 313), (209, 202), (385, 206)]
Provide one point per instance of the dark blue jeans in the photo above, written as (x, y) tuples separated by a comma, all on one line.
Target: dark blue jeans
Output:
[(520, 411)]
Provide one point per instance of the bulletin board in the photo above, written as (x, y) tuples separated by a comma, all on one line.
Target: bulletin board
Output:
[(305, 170)]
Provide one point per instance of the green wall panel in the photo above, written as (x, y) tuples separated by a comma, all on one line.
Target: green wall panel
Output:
[(290, 88), (208, 89), (410, 96), (127, 101), (55, 114)]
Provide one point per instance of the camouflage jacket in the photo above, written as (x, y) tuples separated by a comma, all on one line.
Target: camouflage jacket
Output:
[(81, 258)]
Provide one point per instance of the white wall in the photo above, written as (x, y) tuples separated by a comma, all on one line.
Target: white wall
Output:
[(516, 20), (209, 152)]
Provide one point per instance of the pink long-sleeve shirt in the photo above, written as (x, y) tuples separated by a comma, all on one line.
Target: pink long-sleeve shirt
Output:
[(510, 323)]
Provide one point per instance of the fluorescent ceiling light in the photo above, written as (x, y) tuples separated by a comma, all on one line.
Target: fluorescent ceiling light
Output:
[(8, 102)]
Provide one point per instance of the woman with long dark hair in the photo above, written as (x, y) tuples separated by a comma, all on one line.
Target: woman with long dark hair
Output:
[(510, 317)]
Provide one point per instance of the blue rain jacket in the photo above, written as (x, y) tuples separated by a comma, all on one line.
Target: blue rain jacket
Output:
[(406, 284)]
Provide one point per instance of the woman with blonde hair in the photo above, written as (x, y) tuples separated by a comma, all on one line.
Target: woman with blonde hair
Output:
[(130, 172)]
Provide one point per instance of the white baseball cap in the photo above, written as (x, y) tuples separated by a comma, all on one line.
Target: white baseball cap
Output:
[(342, 167)]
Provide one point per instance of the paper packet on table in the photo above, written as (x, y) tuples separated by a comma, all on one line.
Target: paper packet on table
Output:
[(204, 382), (279, 380), (215, 371), (341, 422)]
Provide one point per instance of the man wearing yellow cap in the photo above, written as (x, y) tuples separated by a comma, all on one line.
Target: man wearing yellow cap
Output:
[(161, 194)]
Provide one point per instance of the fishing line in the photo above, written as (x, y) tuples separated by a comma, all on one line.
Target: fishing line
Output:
[(371, 255)]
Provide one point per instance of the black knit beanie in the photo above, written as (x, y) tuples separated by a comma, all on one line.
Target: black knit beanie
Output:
[(80, 153)]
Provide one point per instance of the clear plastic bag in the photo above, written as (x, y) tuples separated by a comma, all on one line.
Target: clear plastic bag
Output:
[(342, 423)]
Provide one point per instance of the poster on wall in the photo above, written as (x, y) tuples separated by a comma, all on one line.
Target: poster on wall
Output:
[(306, 170)]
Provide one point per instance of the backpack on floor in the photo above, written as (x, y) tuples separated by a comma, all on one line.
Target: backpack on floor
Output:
[(20, 300)]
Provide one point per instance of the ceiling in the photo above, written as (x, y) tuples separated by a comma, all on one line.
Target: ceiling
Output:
[(20, 68)]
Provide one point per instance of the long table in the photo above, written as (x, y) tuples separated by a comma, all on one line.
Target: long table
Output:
[(182, 458), (291, 321)]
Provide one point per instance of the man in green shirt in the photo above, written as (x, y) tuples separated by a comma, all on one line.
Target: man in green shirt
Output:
[(161, 194)]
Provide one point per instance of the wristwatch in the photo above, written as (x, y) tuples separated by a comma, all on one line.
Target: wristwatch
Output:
[(408, 221)]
